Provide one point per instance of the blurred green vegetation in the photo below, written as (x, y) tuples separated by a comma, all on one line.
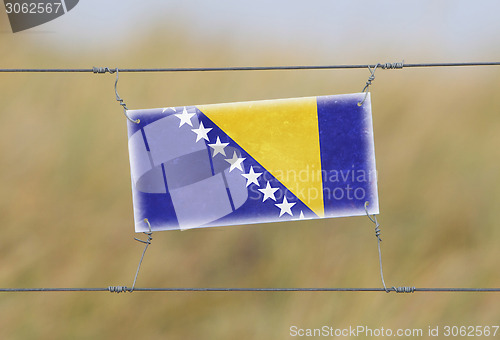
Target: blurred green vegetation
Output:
[(66, 209)]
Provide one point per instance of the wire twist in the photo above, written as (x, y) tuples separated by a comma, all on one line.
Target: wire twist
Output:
[(371, 78), (379, 239), (147, 242), (120, 100), (102, 70), (117, 289), (404, 289), (374, 220), (368, 83), (122, 289), (392, 66)]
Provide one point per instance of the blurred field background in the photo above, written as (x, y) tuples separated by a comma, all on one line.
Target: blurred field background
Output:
[(66, 209)]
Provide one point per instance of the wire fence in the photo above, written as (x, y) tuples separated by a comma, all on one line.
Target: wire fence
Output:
[(123, 289), (371, 67), (397, 65)]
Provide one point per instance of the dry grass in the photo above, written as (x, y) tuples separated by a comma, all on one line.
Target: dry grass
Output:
[(65, 206)]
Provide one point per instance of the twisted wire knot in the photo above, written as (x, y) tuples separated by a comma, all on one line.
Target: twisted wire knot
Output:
[(392, 66), (147, 233), (378, 232), (118, 289), (374, 220), (403, 289), (103, 70), (147, 243), (370, 79), (368, 83), (384, 66)]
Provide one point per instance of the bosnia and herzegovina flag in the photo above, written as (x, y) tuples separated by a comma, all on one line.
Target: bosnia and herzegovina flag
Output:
[(252, 162)]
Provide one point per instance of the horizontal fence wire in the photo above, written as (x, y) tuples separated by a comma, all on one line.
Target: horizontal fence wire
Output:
[(120, 289), (249, 68)]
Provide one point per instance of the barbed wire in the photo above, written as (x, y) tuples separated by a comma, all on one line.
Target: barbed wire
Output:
[(398, 65)]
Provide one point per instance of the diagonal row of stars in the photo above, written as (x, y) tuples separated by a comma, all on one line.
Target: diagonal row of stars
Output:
[(235, 162)]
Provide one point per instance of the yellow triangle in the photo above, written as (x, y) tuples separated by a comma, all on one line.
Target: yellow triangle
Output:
[(282, 135)]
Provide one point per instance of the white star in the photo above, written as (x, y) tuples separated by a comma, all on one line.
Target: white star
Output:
[(185, 117), (201, 132), (218, 147), (235, 162), (252, 176), (285, 207), (268, 192), (166, 108)]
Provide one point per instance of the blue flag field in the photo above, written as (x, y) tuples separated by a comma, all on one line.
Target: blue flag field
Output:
[(252, 162)]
